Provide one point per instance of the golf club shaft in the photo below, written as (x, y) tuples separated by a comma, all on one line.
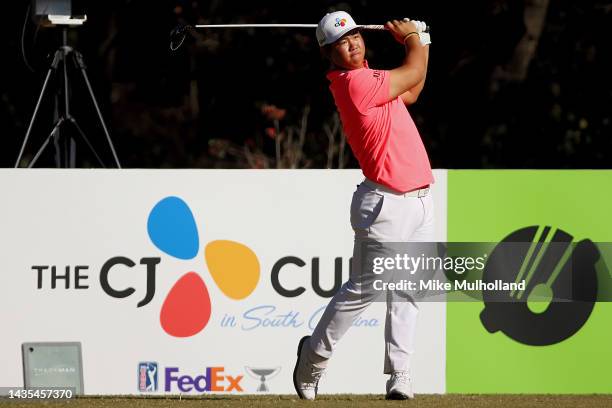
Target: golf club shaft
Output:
[(255, 25), (365, 27)]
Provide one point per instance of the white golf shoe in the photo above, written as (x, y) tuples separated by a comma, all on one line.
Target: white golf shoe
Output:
[(305, 375), (399, 386)]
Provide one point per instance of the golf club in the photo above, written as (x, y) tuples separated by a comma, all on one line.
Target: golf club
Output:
[(178, 34)]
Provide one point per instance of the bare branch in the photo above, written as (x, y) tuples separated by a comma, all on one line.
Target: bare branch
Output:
[(518, 66)]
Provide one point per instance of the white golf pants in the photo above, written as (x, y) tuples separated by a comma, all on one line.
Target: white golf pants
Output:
[(381, 215)]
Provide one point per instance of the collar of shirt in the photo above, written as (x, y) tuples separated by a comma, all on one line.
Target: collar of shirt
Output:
[(334, 73)]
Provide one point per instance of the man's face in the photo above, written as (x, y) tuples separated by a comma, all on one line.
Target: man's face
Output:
[(349, 51)]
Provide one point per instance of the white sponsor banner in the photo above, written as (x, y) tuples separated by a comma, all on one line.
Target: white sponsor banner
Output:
[(85, 257)]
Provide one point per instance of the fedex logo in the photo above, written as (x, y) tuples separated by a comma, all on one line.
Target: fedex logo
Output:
[(213, 380)]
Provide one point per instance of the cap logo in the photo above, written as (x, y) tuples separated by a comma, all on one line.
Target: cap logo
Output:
[(340, 22)]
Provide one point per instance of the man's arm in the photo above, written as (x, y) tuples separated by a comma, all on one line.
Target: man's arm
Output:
[(409, 97), (412, 71)]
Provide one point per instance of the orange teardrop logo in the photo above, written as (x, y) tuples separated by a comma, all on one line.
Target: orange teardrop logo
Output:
[(234, 267)]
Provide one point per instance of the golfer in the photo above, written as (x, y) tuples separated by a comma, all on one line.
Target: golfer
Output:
[(392, 204)]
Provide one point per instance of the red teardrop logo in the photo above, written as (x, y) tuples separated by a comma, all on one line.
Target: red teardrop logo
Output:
[(186, 310)]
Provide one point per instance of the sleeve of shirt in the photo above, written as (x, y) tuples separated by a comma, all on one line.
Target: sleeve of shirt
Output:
[(369, 88)]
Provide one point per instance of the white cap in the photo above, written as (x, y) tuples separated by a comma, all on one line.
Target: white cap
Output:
[(333, 26)]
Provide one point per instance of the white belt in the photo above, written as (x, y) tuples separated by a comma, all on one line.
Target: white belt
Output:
[(421, 192)]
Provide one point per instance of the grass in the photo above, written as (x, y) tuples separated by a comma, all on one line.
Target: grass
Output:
[(352, 401)]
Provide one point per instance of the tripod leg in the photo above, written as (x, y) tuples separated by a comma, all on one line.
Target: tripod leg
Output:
[(78, 128), (69, 142), (52, 68), (72, 153), (47, 140), (57, 136), (81, 65)]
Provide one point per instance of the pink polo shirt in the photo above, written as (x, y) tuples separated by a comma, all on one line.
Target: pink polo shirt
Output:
[(381, 133)]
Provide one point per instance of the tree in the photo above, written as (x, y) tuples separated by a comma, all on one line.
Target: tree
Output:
[(535, 18)]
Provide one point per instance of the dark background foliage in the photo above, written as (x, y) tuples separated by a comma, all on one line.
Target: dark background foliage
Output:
[(511, 84)]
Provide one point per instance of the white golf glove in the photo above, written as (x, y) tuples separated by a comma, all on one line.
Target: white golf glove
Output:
[(425, 39), (421, 26)]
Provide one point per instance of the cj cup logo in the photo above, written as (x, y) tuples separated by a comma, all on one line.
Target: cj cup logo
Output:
[(186, 309), (340, 22), (561, 286), (234, 268)]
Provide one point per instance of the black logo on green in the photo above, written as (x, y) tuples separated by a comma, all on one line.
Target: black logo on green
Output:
[(560, 291)]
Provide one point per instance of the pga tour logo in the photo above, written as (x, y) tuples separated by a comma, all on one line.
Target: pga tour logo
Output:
[(147, 377)]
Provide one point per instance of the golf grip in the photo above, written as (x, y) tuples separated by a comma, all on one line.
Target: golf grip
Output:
[(381, 27)]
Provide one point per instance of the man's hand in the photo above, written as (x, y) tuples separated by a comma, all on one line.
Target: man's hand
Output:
[(400, 29)]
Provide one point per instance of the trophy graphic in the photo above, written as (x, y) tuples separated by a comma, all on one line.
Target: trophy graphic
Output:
[(262, 374)]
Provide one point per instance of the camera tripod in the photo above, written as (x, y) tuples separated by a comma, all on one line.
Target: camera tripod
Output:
[(62, 55)]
